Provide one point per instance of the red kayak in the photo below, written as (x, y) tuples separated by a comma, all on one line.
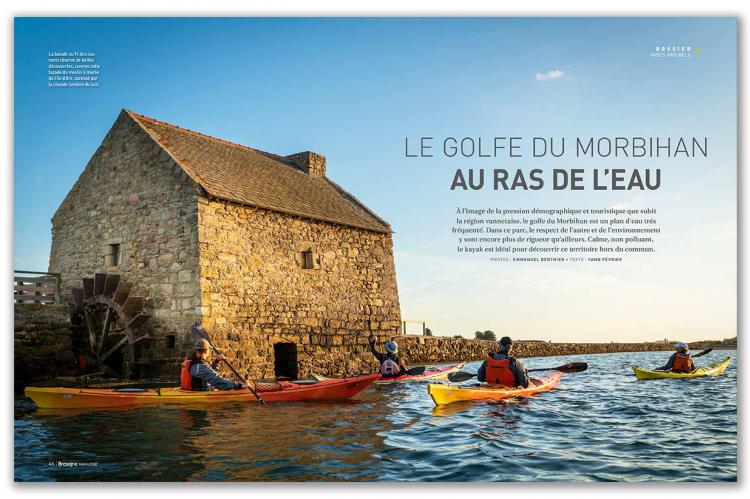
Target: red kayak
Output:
[(284, 391)]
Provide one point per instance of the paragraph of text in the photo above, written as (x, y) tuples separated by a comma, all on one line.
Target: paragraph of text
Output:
[(73, 69), (556, 235)]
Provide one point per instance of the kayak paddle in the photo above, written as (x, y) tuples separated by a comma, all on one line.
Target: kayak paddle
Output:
[(200, 333), (571, 367), (416, 371)]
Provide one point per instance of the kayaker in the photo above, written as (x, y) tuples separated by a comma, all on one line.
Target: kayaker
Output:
[(198, 375), (391, 364), (501, 368), (680, 361)]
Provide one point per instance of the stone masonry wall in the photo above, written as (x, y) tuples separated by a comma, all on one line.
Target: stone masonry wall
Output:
[(133, 194), (255, 291), (42, 344)]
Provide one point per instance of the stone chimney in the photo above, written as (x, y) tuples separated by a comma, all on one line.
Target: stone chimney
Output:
[(309, 162)]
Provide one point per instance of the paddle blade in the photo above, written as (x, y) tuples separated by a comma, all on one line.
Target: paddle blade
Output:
[(198, 332), (573, 367), (704, 352), (460, 376), (416, 371)]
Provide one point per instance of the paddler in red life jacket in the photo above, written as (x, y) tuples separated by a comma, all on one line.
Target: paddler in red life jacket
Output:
[(501, 368), (391, 364), (680, 361), (198, 375)]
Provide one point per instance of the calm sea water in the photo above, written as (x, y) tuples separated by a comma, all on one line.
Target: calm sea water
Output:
[(600, 425)]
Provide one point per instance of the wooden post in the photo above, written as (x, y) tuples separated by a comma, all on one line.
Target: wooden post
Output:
[(90, 327), (105, 330), (58, 288)]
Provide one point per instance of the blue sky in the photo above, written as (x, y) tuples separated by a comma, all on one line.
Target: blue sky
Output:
[(352, 89)]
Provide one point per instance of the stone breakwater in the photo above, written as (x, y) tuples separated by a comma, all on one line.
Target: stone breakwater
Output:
[(355, 358), (421, 349), (350, 354)]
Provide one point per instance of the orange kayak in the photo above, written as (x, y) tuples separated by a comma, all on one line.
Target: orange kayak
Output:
[(76, 398), (447, 394)]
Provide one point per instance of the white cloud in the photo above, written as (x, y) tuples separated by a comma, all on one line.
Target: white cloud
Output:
[(550, 75)]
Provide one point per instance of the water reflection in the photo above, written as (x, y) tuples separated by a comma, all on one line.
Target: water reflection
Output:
[(290, 441), (602, 425)]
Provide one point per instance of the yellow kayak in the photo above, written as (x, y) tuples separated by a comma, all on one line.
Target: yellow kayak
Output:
[(715, 369), (447, 394)]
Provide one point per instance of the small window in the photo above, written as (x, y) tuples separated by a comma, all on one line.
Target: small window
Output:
[(115, 254), (307, 259), (170, 340)]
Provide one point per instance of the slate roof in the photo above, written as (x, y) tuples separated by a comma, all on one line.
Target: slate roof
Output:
[(256, 178)]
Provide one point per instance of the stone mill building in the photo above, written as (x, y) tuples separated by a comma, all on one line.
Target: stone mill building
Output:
[(287, 271)]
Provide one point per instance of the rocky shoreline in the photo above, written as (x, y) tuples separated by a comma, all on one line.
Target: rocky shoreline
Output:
[(419, 349)]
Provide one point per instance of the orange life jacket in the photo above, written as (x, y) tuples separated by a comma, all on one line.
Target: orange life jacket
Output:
[(188, 381), (682, 363), (498, 372)]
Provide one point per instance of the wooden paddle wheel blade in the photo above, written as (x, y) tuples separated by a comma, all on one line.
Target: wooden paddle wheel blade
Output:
[(88, 287), (110, 285), (122, 292), (99, 283)]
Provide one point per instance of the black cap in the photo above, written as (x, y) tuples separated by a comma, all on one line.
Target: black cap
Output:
[(506, 341)]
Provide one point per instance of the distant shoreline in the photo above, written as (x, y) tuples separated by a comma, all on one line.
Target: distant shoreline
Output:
[(446, 349)]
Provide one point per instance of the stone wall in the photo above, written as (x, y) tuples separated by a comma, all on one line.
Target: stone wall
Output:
[(255, 291), (437, 349), (133, 194), (42, 344)]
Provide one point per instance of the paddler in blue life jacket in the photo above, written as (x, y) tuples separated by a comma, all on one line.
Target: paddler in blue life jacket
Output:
[(680, 361), (501, 368), (198, 375), (391, 365)]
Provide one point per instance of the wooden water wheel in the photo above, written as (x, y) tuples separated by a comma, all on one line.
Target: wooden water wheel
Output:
[(110, 317)]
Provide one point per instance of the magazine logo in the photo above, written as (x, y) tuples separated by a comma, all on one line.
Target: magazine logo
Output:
[(675, 51)]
